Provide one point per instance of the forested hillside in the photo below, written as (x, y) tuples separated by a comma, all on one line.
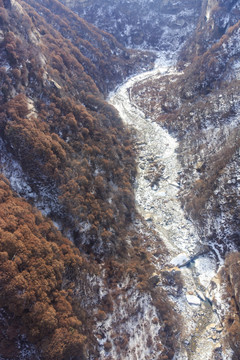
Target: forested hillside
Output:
[(56, 124), (84, 274), (65, 151), (159, 25), (38, 271)]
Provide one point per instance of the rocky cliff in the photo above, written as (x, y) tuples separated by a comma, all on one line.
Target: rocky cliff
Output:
[(216, 17)]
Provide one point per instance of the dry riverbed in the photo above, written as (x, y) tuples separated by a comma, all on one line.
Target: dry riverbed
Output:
[(157, 199)]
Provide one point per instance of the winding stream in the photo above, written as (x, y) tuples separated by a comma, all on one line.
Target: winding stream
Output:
[(157, 200)]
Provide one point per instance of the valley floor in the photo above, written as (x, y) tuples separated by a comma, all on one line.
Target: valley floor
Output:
[(157, 199)]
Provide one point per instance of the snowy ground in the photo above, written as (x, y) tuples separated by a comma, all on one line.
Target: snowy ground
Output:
[(156, 192)]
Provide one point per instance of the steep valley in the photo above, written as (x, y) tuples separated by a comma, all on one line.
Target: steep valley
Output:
[(120, 180)]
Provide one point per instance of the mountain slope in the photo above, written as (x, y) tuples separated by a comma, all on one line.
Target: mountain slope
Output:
[(159, 25), (37, 269), (201, 108), (65, 151), (51, 107)]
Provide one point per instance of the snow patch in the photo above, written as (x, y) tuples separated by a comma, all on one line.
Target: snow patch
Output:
[(180, 260), (193, 299), (206, 269)]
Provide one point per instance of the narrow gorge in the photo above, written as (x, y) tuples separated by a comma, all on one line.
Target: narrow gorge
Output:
[(157, 197), (119, 180)]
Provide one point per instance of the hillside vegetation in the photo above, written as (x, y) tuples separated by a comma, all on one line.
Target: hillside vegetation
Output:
[(200, 106), (55, 122), (38, 270), (77, 273), (65, 151), (159, 25)]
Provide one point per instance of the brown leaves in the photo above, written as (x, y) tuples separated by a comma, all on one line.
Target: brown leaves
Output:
[(63, 344), (29, 137), (67, 139), (36, 262)]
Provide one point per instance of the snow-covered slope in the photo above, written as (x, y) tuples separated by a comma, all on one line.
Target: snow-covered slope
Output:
[(146, 24)]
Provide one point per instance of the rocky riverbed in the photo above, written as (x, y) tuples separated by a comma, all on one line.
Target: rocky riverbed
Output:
[(157, 198)]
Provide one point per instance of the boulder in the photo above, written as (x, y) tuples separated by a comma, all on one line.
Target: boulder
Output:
[(180, 260), (193, 299)]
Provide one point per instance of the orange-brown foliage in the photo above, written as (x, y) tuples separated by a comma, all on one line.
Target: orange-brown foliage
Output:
[(36, 264), (65, 140)]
